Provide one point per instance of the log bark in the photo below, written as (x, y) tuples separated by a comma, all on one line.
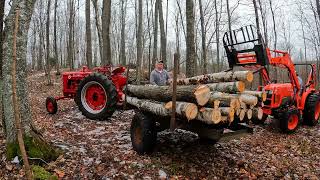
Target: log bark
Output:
[(245, 76), (257, 113), (184, 109), (156, 108), (227, 87), (209, 115), (196, 94), (248, 99), (225, 99), (261, 95)]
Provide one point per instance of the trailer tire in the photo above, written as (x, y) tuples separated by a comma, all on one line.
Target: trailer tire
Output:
[(311, 112), (143, 133), (51, 105), (96, 97), (289, 120)]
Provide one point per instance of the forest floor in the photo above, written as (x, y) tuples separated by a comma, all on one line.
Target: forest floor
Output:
[(102, 149)]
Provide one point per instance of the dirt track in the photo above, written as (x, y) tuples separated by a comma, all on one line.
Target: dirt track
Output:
[(102, 150)]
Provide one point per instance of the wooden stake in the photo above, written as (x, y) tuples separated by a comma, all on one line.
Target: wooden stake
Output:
[(174, 93), (15, 101)]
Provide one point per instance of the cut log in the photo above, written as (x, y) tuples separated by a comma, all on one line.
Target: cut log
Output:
[(257, 113), (249, 114), (184, 109), (248, 99), (242, 114), (227, 87), (156, 108), (216, 104), (228, 112), (229, 100), (209, 115), (246, 76), (243, 105), (261, 95), (196, 94)]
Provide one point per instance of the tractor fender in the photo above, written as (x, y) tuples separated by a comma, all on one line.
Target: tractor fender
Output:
[(304, 97)]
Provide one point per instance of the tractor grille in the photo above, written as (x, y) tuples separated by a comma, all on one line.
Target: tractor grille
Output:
[(269, 99)]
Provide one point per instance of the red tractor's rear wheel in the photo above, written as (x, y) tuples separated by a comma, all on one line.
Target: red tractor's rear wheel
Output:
[(311, 113), (289, 120), (96, 97), (51, 105)]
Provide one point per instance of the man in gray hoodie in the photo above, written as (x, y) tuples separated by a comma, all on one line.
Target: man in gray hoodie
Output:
[(159, 76)]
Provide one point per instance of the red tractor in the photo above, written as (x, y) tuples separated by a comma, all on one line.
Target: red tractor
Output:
[(97, 92), (291, 102)]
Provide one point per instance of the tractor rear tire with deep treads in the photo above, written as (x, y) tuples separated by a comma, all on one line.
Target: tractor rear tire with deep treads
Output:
[(289, 120), (51, 105), (96, 97), (311, 112), (143, 133)]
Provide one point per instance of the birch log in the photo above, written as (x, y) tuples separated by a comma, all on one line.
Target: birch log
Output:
[(196, 94), (246, 76), (248, 99), (227, 87), (261, 95), (184, 109), (209, 115), (249, 113), (229, 100), (156, 108)]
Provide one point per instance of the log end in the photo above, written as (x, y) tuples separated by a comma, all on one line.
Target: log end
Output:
[(202, 94), (249, 114), (241, 86), (168, 105), (264, 96), (191, 111), (250, 76), (216, 116)]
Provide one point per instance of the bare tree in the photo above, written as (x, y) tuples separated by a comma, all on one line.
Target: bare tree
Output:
[(106, 21), (217, 34), (98, 26), (190, 40), (2, 6), (70, 46), (155, 33), (88, 35), (139, 41), (162, 33), (48, 59), (123, 32), (318, 7), (56, 56), (203, 39)]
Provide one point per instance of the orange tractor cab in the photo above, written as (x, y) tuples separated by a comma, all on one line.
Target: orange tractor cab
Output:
[(292, 102)]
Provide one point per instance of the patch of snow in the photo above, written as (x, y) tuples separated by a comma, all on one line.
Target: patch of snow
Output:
[(15, 160)]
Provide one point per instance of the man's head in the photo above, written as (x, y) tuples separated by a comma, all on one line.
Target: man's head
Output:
[(159, 65)]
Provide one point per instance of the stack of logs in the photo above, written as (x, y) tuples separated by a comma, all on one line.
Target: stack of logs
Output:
[(216, 98)]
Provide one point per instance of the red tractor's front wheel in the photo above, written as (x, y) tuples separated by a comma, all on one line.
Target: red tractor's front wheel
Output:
[(289, 120), (51, 105), (311, 113), (96, 97)]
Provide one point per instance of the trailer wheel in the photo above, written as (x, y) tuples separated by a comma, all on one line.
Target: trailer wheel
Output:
[(311, 113), (96, 97), (51, 105), (289, 120), (143, 133)]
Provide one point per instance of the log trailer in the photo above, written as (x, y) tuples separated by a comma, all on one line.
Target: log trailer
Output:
[(292, 103)]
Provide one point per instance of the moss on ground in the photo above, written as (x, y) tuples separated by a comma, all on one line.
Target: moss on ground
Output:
[(39, 173)]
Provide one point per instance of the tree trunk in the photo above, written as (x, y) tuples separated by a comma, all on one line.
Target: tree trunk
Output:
[(106, 22), (162, 34), (203, 39), (139, 41), (261, 95), (184, 109), (318, 7), (56, 56), (48, 58), (227, 87), (88, 35), (246, 76), (36, 146), (2, 5), (195, 94), (217, 35), (190, 40), (229, 17), (70, 46), (98, 26), (123, 32), (257, 18), (155, 33)]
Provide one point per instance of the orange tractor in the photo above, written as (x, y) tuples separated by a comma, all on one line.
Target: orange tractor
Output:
[(292, 103)]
